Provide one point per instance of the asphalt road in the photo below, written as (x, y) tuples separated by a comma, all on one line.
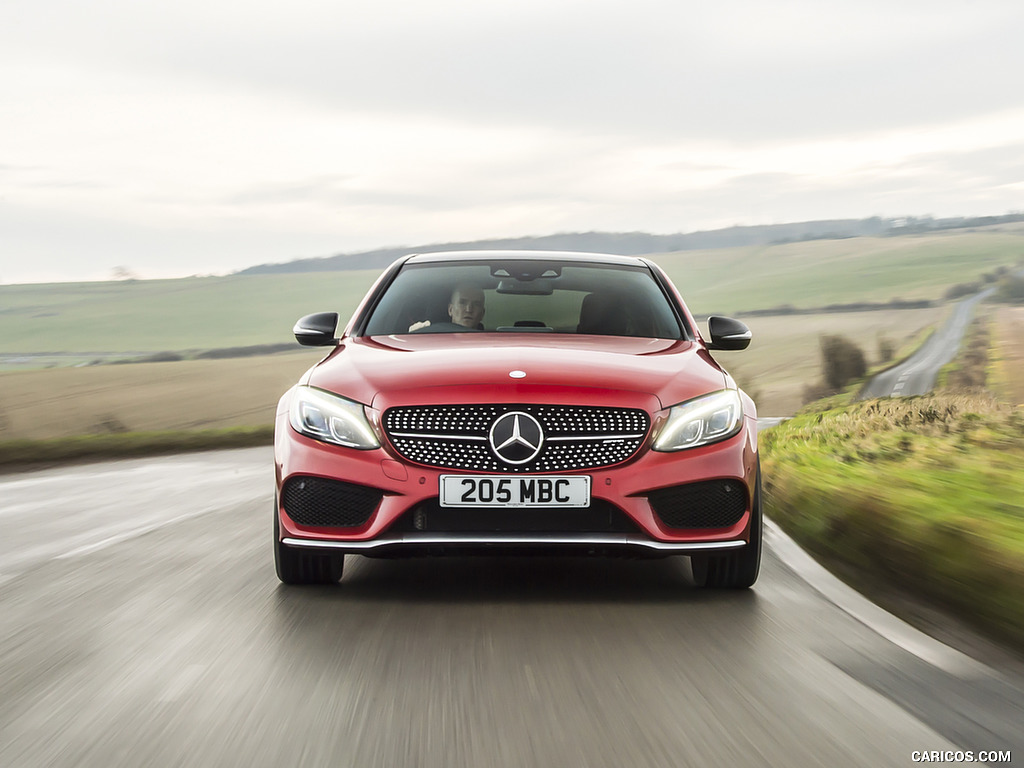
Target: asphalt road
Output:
[(916, 375), (141, 623)]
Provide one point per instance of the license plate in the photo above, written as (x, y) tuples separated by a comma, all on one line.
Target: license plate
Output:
[(492, 491)]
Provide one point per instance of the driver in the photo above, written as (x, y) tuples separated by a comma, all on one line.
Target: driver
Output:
[(465, 308)]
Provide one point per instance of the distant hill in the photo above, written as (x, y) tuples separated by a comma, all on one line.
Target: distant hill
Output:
[(46, 323), (635, 243), (623, 243)]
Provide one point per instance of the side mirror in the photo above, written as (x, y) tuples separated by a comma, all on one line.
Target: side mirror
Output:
[(317, 330), (727, 333)]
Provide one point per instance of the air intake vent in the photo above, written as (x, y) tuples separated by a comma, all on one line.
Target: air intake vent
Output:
[(599, 517), (314, 501), (710, 504)]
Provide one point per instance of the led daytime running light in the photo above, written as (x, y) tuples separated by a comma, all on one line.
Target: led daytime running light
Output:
[(331, 419), (701, 421)]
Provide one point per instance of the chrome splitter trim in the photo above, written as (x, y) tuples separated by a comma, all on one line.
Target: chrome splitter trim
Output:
[(426, 539)]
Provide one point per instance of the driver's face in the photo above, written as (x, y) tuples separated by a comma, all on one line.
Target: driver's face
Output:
[(467, 307)]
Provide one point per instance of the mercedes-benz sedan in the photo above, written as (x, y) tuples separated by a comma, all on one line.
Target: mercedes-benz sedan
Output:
[(496, 402)]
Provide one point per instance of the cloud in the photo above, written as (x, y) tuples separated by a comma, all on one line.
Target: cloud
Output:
[(236, 133), (736, 71)]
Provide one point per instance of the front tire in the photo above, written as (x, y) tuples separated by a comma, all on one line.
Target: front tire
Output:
[(297, 567), (735, 570)]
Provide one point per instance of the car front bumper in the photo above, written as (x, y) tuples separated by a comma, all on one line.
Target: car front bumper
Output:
[(405, 487)]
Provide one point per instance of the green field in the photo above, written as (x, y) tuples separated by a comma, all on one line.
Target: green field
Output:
[(821, 272), (147, 397), (155, 315), (215, 312)]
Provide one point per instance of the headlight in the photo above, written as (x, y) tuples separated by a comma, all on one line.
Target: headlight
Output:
[(700, 421), (323, 416)]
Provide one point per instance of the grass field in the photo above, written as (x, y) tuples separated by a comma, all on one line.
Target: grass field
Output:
[(212, 312), (205, 394), (189, 395), (822, 272), (158, 315), (1007, 366)]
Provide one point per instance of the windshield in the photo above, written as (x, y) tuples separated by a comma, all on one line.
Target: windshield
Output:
[(524, 296)]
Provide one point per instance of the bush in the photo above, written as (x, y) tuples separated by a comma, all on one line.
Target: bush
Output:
[(156, 357), (814, 392), (886, 350), (996, 275), (962, 289), (842, 361), (250, 351), (1011, 289), (162, 357)]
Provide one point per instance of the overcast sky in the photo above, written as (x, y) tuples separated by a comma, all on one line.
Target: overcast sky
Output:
[(188, 137)]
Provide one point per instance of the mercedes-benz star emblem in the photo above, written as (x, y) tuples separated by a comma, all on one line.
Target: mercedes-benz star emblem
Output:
[(516, 437)]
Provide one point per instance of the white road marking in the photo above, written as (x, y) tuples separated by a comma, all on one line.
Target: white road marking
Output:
[(892, 628)]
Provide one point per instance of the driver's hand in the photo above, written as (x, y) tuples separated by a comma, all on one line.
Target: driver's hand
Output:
[(417, 326)]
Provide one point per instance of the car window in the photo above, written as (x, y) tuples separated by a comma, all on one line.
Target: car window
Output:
[(524, 297)]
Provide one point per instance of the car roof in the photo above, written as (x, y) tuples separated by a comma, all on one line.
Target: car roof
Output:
[(600, 258)]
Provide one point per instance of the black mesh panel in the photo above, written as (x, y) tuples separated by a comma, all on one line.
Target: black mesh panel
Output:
[(315, 501), (710, 504), (599, 517)]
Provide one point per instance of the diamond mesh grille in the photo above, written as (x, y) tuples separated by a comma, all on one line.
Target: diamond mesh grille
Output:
[(575, 437), (709, 504), (315, 501)]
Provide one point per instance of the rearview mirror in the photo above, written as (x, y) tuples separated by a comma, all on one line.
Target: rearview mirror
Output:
[(534, 287)]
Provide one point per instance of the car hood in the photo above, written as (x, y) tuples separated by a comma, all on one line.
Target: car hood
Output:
[(444, 368)]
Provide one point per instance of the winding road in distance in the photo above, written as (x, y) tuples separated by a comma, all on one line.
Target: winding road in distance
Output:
[(141, 623), (916, 375)]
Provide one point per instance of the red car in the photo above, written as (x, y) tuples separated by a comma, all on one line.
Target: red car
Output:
[(494, 402)]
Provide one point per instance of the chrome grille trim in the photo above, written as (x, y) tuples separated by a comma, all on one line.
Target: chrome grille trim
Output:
[(605, 438), (438, 437)]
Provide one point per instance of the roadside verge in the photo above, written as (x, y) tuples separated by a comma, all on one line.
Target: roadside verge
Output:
[(920, 492), (19, 453)]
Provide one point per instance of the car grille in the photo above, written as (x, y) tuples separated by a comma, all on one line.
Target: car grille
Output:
[(599, 517), (315, 501), (575, 437), (708, 504)]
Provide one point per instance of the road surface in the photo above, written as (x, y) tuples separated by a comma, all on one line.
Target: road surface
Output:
[(916, 375), (141, 623)]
